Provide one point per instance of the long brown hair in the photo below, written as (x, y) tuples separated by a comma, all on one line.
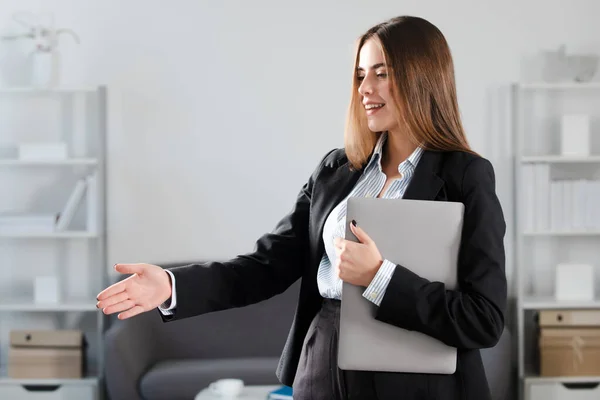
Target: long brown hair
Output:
[(423, 87)]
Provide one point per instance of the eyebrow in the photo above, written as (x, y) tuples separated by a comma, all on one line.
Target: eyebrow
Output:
[(372, 67)]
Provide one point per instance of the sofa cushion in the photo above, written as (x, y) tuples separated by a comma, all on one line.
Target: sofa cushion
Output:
[(183, 379)]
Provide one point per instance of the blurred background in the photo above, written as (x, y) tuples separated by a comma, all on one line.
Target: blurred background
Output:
[(163, 132)]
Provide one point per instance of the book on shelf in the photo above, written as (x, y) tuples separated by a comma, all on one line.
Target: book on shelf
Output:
[(282, 393), (92, 203), (542, 188), (19, 222), (71, 206), (528, 197), (558, 205)]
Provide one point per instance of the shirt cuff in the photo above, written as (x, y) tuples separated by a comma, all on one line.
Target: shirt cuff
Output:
[(376, 289), (165, 308)]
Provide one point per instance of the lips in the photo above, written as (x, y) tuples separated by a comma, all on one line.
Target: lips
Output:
[(372, 108)]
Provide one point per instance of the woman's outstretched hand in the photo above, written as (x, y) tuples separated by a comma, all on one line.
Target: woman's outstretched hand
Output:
[(146, 289)]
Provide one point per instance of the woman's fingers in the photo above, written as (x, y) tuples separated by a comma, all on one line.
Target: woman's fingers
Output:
[(114, 299), (337, 242), (121, 286), (130, 268), (122, 306), (131, 312), (112, 290), (147, 281)]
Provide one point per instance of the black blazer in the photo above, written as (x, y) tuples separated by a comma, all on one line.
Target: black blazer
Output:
[(469, 318)]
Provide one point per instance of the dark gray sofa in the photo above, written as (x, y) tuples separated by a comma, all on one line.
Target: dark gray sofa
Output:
[(148, 359)]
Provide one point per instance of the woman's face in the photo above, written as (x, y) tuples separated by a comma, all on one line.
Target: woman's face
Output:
[(372, 74)]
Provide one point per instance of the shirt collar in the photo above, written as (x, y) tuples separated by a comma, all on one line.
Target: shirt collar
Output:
[(411, 161)]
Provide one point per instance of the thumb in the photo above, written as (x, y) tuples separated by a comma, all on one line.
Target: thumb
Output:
[(129, 268), (360, 234)]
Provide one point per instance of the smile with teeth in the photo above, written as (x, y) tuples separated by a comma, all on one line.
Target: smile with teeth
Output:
[(372, 106)]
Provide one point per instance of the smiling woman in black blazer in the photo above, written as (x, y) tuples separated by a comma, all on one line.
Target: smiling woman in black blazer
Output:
[(404, 139)]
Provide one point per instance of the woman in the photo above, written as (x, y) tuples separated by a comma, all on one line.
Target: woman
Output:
[(403, 139)]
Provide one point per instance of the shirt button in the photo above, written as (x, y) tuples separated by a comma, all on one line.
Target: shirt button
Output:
[(373, 295), (368, 195)]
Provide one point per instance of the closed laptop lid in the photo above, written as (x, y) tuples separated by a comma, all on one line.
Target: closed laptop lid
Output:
[(423, 236)]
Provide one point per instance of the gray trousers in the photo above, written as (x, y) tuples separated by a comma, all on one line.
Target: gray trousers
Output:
[(318, 376)]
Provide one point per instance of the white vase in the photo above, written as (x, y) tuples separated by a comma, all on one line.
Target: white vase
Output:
[(45, 71)]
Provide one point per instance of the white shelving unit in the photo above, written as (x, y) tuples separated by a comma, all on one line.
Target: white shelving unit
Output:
[(49, 163), (25, 305), (549, 303), (61, 89), (77, 255), (537, 251), (51, 235), (559, 159), (558, 85)]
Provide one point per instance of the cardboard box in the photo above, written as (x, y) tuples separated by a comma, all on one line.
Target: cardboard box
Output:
[(569, 342), (46, 354), (569, 318), (570, 352)]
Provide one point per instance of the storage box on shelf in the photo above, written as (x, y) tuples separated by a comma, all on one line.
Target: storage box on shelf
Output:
[(557, 232), (55, 241), (47, 354), (569, 342)]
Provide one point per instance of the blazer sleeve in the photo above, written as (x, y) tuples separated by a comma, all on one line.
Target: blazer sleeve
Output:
[(472, 316), (277, 261)]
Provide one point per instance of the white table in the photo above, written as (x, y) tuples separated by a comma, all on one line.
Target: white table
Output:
[(249, 393)]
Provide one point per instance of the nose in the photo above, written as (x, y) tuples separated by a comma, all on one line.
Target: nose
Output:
[(366, 86)]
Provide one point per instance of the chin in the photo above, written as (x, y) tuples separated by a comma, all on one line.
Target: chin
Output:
[(377, 127)]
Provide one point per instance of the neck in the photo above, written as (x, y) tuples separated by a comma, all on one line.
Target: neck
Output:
[(397, 149)]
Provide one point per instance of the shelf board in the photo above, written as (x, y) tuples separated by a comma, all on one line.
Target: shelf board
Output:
[(28, 305), (5, 380), (562, 379), (558, 159), (67, 162), (49, 235), (58, 89), (559, 85), (563, 233), (549, 303), (90, 379)]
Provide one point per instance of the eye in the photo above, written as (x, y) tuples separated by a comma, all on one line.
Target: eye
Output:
[(382, 75)]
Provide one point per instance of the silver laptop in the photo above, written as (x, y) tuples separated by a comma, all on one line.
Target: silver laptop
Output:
[(423, 236)]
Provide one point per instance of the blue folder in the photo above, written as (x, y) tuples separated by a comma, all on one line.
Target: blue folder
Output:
[(282, 393)]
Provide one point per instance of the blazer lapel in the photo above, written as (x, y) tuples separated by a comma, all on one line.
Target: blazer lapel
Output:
[(331, 191), (425, 183)]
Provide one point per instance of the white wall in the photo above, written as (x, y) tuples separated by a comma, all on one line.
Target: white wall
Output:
[(220, 110)]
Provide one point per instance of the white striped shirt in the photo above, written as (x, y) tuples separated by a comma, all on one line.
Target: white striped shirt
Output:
[(370, 184)]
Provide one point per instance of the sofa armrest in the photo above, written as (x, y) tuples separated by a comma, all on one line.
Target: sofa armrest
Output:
[(131, 349), (498, 367)]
